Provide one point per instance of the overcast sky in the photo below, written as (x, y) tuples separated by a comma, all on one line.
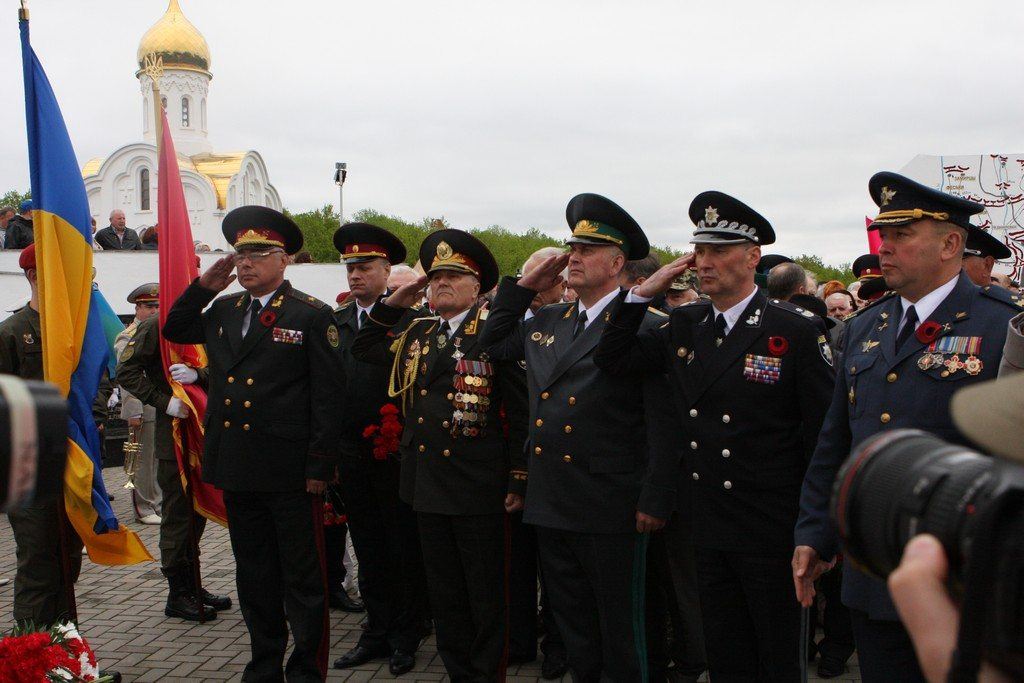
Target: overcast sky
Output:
[(499, 112)]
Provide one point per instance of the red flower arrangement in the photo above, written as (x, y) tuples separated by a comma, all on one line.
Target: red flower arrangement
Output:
[(778, 346), (385, 435), (267, 317), (60, 654), (928, 331)]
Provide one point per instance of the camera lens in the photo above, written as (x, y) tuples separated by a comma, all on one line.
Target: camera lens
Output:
[(33, 441)]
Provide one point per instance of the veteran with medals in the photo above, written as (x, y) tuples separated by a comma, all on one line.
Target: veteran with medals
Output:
[(751, 378), (463, 467), (595, 446), (904, 357), (276, 387)]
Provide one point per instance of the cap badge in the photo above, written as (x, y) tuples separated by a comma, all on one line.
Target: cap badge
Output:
[(886, 195), (710, 215), (444, 250), (586, 227), (355, 247)]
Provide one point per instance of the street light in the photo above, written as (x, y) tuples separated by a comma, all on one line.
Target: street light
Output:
[(340, 173)]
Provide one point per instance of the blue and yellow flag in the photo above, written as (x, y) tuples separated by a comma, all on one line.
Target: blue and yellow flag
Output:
[(74, 348)]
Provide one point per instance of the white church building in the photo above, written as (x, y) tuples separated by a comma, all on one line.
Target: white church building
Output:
[(214, 183)]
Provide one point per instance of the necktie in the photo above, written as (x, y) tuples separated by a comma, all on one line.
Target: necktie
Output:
[(719, 329), (254, 312), (908, 328), (442, 335), (362, 319), (581, 324)]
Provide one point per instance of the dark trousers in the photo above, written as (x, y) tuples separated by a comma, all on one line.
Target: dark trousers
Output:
[(175, 508), (884, 651), (523, 585), (595, 584), (466, 560), (751, 618), (837, 629), (40, 590), (386, 541), (334, 555), (277, 540)]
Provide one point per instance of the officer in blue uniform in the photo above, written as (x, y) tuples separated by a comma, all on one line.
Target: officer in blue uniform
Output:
[(904, 357), (980, 255)]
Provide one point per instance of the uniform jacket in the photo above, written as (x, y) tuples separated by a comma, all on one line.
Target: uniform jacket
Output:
[(130, 405), (879, 388), (21, 344), (749, 410), (275, 396), (445, 470), (593, 455)]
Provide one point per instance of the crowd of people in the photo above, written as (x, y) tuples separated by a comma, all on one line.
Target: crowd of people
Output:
[(623, 463)]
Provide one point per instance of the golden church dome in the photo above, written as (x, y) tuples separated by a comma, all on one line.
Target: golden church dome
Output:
[(177, 41)]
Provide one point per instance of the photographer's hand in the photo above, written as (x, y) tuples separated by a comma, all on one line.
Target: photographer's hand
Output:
[(918, 588)]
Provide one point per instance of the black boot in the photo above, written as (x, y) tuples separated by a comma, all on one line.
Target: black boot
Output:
[(217, 602), (181, 599)]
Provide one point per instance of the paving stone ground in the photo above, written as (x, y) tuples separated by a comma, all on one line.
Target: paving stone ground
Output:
[(121, 613)]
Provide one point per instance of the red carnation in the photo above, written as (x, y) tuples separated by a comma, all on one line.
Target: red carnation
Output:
[(927, 331), (778, 346)]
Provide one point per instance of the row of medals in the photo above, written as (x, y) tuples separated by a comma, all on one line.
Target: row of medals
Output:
[(471, 402), (972, 365)]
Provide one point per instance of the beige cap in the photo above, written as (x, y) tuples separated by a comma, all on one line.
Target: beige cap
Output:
[(991, 414)]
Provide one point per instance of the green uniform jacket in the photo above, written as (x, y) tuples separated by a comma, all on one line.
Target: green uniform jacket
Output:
[(21, 344)]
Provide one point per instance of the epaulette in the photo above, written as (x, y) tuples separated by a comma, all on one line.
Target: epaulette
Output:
[(885, 297), (657, 311), (791, 308), (345, 304), (306, 299), (1003, 295), (231, 297), (565, 304)]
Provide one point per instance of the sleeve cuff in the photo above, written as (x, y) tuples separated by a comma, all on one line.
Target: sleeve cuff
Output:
[(633, 298)]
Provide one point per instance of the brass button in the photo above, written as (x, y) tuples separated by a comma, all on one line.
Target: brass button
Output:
[(726, 485), (572, 400), (419, 420), (726, 452), (693, 445), (725, 419), (227, 423), (422, 448), (423, 392), (885, 418), (693, 412), (247, 404), (891, 377), (231, 380), (696, 477), (945, 373), (451, 396), (681, 352), (249, 381), (545, 395), (227, 401), (245, 427), (567, 458), (446, 424), (446, 453), (568, 429), (539, 422), (536, 450), (853, 369)]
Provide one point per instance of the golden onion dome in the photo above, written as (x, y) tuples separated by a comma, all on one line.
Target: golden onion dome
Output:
[(177, 41)]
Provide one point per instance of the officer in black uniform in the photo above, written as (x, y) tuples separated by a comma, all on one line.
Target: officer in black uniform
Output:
[(461, 472), (904, 357), (595, 446), (383, 526), (751, 378), (980, 255), (276, 388), (868, 271)]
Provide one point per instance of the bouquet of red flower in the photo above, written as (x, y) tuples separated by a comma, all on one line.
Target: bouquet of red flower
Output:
[(385, 435), (57, 655)]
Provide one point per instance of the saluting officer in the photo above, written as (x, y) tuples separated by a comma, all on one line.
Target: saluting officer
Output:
[(140, 372), (461, 472), (981, 252), (904, 357), (40, 594), (751, 378), (275, 393), (383, 526), (594, 445)]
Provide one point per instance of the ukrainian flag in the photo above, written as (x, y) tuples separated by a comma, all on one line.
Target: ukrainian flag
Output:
[(74, 347)]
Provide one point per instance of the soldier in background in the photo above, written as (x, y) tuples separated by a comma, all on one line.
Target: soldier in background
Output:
[(981, 252)]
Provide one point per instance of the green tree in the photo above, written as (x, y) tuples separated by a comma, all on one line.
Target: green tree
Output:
[(822, 271), (14, 198)]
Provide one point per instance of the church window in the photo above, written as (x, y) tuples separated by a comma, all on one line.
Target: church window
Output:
[(144, 189), (185, 115)]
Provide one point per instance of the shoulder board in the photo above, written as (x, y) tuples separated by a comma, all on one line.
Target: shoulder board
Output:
[(305, 298), (657, 311), (483, 314), (559, 306), (130, 330), (1004, 295), (860, 311), (346, 304), (232, 298), (696, 306), (790, 308)]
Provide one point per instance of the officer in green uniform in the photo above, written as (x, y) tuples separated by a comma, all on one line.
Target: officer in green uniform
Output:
[(140, 371), (276, 389), (461, 471), (40, 595)]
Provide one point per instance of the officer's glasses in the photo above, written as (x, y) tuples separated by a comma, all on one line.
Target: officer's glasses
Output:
[(254, 256)]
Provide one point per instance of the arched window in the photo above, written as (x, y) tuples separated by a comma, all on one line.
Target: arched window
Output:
[(144, 189), (185, 112)]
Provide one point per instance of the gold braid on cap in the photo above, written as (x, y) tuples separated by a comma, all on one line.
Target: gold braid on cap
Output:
[(913, 214), (255, 236)]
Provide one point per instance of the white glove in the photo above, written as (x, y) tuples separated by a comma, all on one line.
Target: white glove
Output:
[(175, 408), (183, 374)]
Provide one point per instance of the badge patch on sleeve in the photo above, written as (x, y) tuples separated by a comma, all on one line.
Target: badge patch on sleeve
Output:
[(762, 369), (332, 336), (825, 349), (288, 336)]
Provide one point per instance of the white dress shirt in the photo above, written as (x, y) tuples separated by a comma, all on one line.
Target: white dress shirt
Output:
[(455, 321), (927, 304), (598, 306), (248, 314), (733, 313)]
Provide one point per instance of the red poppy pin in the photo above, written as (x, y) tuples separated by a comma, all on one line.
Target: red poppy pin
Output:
[(927, 331), (778, 346), (267, 317)]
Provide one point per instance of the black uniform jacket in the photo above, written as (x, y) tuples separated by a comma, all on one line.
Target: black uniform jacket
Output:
[(274, 397), (749, 411), (596, 453), (446, 470)]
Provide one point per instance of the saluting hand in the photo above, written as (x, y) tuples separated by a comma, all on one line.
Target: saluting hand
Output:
[(663, 277), (218, 276), (408, 294), (513, 503), (547, 274)]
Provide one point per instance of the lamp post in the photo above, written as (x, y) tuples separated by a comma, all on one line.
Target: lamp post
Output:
[(340, 173)]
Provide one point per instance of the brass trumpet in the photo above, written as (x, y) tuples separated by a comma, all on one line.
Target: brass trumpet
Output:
[(132, 449)]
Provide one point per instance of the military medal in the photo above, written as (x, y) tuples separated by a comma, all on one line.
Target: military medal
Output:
[(973, 365), (458, 354), (28, 338), (472, 382)]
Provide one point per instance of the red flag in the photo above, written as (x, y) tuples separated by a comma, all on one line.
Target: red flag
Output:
[(874, 237), (178, 268)]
